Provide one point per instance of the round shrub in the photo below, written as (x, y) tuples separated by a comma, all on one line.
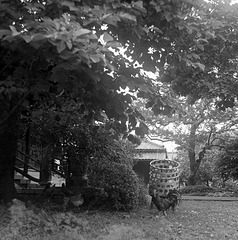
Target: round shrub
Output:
[(120, 183)]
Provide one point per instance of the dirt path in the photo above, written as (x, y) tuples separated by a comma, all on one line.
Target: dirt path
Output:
[(204, 220)]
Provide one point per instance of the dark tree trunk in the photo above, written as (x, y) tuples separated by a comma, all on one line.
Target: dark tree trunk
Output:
[(192, 156), (45, 173), (77, 166), (207, 183), (193, 170), (8, 147), (27, 150)]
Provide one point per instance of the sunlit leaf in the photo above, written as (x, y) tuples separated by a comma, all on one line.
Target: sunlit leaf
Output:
[(200, 46), (158, 30), (168, 16), (69, 44), (70, 5), (95, 58), (112, 20), (107, 37), (81, 31), (201, 66), (139, 6), (158, 8), (114, 44), (14, 31), (127, 16), (61, 46)]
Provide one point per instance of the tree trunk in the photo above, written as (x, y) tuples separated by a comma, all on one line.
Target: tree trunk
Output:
[(192, 156), (27, 150), (77, 166), (193, 170), (45, 169), (8, 147)]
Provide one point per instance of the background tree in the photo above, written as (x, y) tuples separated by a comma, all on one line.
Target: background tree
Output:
[(205, 90), (207, 172), (226, 166), (196, 128)]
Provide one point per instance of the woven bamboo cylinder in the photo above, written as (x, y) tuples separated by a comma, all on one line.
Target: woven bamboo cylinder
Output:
[(164, 175)]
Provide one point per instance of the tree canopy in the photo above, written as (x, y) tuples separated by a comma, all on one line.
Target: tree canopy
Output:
[(70, 49)]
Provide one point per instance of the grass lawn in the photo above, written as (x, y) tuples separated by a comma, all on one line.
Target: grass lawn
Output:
[(192, 220)]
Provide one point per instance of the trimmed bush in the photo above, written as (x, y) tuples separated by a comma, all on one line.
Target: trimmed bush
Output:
[(197, 189), (120, 183), (110, 168)]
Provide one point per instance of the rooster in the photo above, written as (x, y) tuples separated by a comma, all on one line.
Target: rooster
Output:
[(75, 198), (48, 191), (163, 203), (175, 197)]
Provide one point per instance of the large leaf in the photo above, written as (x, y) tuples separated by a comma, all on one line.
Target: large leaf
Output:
[(127, 16), (81, 31), (107, 37), (139, 6), (61, 46), (14, 31), (201, 66), (112, 19), (168, 16), (70, 5)]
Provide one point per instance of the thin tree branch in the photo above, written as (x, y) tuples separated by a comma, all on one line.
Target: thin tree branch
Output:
[(209, 137), (216, 145), (216, 138), (159, 139)]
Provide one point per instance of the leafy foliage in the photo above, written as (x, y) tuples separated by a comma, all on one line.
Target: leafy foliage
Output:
[(72, 50), (67, 58), (110, 168), (227, 164), (120, 183), (90, 150)]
